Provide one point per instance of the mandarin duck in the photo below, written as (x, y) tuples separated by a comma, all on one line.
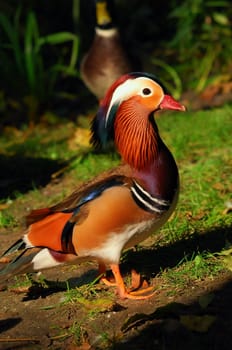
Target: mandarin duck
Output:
[(106, 60), (119, 208)]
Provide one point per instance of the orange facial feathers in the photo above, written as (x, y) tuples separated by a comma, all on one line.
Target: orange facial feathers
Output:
[(138, 146)]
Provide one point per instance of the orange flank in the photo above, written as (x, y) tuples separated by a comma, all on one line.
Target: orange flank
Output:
[(37, 214), (47, 232)]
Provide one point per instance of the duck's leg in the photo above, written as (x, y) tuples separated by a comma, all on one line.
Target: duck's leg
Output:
[(102, 272), (136, 280), (121, 289)]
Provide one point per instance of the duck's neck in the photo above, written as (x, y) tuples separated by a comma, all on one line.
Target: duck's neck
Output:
[(153, 166), (136, 138), (161, 177)]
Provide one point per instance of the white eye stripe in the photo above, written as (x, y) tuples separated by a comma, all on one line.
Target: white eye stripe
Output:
[(121, 93), (129, 88)]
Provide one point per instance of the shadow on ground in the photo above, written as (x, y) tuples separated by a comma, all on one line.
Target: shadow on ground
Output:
[(21, 174), (180, 326), (149, 261), (175, 324), (9, 323)]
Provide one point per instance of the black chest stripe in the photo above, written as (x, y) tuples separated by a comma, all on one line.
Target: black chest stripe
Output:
[(66, 238), (147, 202)]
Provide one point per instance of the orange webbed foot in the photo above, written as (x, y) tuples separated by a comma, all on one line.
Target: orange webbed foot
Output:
[(136, 282)]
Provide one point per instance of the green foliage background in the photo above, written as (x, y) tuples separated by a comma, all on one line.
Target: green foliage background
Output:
[(186, 43)]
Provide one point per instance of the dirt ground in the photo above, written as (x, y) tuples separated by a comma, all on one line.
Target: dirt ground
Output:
[(197, 316), (38, 318)]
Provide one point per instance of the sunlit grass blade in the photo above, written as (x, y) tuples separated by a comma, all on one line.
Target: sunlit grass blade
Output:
[(206, 67), (33, 62), (72, 72), (12, 32), (174, 76), (60, 38)]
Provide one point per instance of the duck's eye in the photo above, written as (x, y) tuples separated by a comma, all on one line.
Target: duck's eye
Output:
[(146, 91)]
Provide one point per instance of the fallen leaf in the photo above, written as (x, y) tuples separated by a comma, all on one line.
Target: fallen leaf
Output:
[(189, 214), (163, 312), (4, 206), (197, 323), (227, 260), (199, 216), (205, 300), (218, 186), (225, 252), (135, 280), (80, 138), (83, 346), (228, 208), (134, 321), (196, 217), (100, 305), (4, 260), (18, 290), (2, 287)]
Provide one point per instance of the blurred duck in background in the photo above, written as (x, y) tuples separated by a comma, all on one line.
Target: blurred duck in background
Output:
[(106, 59)]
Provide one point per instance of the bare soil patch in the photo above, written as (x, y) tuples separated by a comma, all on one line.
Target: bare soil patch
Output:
[(38, 318)]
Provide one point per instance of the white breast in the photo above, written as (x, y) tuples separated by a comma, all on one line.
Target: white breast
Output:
[(111, 249)]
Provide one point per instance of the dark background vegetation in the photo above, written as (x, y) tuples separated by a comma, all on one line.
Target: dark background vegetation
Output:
[(45, 111), (187, 43)]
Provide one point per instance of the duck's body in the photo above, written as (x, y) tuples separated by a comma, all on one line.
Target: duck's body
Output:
[(123, 206), (106, 59)]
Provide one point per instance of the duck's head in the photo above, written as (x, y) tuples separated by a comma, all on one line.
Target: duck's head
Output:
[(126, 116)]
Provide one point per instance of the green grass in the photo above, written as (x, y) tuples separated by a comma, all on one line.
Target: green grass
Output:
[(191, 270), (22, 49), (201, 143), (44, 141), (191, 250), (6, 220), (92, 165)]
